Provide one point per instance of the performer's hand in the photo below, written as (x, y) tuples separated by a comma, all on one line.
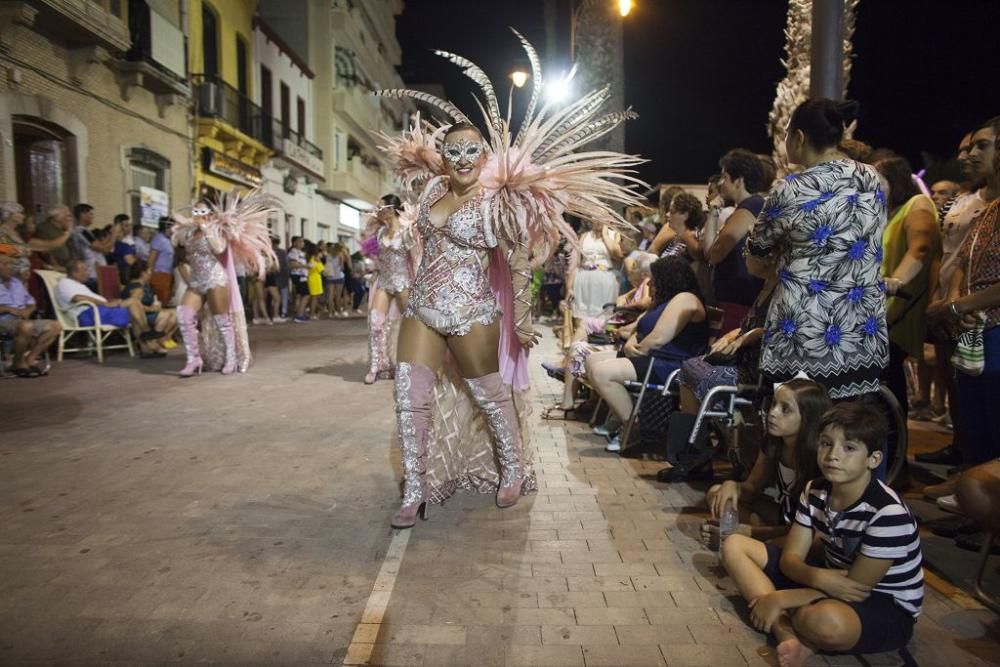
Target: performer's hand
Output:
[(527, 337)]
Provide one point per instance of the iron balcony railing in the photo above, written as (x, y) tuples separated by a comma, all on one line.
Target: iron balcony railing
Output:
[(217, 99), (275, 131)]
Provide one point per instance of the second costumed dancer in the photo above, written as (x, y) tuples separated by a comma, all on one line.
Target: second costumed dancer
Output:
[(463, 341), (392, 245)]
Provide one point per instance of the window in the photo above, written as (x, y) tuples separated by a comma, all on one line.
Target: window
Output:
[(242, 82), (301, 104), (267, 104), (209, 42), (43, 155), (286, 110)]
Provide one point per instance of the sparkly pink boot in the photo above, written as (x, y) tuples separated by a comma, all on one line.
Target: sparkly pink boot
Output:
[(376, 345), (494, 398), (224, 323), (187, 322), (414, 385)]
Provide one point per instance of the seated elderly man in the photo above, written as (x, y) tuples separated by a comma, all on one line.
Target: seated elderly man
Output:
[(31, 337), (72, 295)]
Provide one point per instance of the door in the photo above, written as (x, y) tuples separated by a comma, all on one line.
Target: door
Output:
[(267, 104), (41, 156)]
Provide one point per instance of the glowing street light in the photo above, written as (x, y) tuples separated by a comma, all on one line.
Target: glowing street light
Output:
[(624, 7), (519, 77), (559, 89)]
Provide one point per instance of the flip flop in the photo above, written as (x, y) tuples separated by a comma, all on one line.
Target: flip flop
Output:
[(565, 414)]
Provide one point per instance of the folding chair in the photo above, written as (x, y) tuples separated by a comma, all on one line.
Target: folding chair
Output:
[(97, 335)]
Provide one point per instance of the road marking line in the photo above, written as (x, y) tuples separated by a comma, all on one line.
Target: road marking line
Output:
[(363, 642)]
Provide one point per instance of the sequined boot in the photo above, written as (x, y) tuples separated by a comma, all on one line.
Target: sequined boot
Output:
[(414, 386), (494, 398), (224, 323), (376, 345), (187, 322)]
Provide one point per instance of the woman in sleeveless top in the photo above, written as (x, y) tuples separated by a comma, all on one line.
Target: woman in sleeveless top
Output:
[(593, 283), (911, 248), (672, 330)]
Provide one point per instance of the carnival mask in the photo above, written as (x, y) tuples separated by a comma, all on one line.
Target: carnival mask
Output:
[(200, 211), (462, 150)]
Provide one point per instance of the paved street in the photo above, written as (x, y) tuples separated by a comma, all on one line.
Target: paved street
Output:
[(244, 521)]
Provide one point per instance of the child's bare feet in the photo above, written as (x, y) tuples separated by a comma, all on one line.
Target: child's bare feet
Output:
[(793, 653)]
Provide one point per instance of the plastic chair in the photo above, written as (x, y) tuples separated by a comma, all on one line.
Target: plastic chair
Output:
[(97, 335)]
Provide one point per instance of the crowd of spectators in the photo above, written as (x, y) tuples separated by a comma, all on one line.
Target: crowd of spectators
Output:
[(842, 276), (135, 276)]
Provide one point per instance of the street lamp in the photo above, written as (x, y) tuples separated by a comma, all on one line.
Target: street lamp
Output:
[(519, 77), (624, 7), (559, 89)]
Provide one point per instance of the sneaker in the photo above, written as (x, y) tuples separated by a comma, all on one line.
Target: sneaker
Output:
[(614, 445), (949, 504), (279, 320), (946, 456), (301, 320), (261, 320), (607, 429), (944, 419)]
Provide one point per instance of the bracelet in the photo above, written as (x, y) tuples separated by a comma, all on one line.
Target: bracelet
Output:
[(953, 309)]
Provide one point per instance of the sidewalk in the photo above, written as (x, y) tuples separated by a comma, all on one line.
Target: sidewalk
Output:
[(602, 567)]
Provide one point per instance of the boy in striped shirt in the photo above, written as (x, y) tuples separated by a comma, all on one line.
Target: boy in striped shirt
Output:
[(863, 595)]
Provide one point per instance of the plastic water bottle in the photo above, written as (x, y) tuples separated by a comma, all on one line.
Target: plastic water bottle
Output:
[(728, 523)]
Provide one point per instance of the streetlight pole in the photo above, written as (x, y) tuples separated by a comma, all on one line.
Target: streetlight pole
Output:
[(826, 62), (597, 48)]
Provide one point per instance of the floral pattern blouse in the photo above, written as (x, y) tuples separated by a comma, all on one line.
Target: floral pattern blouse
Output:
[(827, 316)]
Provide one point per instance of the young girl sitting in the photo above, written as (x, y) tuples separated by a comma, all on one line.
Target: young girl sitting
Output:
[(787, 461)]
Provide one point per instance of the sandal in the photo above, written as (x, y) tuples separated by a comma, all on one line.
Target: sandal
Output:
[(26, 372), (559, 413)]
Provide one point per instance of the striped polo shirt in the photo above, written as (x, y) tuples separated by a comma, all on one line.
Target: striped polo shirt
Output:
[(878, 525)]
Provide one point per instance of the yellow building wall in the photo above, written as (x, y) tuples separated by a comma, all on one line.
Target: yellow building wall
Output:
[(233, 18)]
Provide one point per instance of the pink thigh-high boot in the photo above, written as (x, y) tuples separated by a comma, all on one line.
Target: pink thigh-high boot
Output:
[(414, 385), (496, 401), (187, 322), (224, 322), (376, 345)]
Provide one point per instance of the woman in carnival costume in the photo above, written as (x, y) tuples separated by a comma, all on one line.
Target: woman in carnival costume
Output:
[(391, 243), (467, 326), (220, 238)]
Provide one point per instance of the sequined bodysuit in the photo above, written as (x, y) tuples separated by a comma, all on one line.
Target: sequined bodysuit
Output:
[(207, 272), (451, 291), (393, 262)]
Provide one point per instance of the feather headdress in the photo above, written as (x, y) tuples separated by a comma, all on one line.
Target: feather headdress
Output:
[(541, 173), (242, 222), (415, 154)]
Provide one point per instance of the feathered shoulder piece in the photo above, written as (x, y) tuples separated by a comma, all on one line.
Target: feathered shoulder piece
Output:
[(415, 154), (543, 171), (241, 221)]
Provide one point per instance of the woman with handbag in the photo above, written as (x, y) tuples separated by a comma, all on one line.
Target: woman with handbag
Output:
[(974, 304)]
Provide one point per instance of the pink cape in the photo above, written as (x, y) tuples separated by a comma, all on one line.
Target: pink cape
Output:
[(513, 357)]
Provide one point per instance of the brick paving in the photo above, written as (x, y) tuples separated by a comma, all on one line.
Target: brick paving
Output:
[(149, 520)]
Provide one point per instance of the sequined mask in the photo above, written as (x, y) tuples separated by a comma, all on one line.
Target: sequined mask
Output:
[(462, 150), (200, 211)]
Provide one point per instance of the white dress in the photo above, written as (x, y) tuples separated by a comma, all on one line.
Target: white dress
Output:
[(596, 282)]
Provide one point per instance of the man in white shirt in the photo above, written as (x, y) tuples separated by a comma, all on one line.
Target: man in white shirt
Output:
[(72, 295), (299, 271)]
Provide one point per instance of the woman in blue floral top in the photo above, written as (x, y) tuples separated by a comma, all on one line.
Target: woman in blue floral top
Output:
[(823, 226)]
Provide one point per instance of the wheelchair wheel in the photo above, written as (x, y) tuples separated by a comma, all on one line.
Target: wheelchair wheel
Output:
[(896, 443)]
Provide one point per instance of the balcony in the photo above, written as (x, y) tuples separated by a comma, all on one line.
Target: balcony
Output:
[(156, 60), (357, 107), (227, 115), (293, 149), (72, 22), (356, 181)]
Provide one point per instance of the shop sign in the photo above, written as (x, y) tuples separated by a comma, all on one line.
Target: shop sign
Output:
[(225, 166)]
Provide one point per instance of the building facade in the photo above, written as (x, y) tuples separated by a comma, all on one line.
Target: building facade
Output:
[(94, 106), (351, 49)]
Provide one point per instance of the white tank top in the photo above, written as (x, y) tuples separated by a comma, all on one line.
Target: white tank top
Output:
[(594, 253)]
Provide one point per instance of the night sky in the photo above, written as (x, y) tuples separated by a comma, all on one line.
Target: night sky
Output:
[(701, 73)]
